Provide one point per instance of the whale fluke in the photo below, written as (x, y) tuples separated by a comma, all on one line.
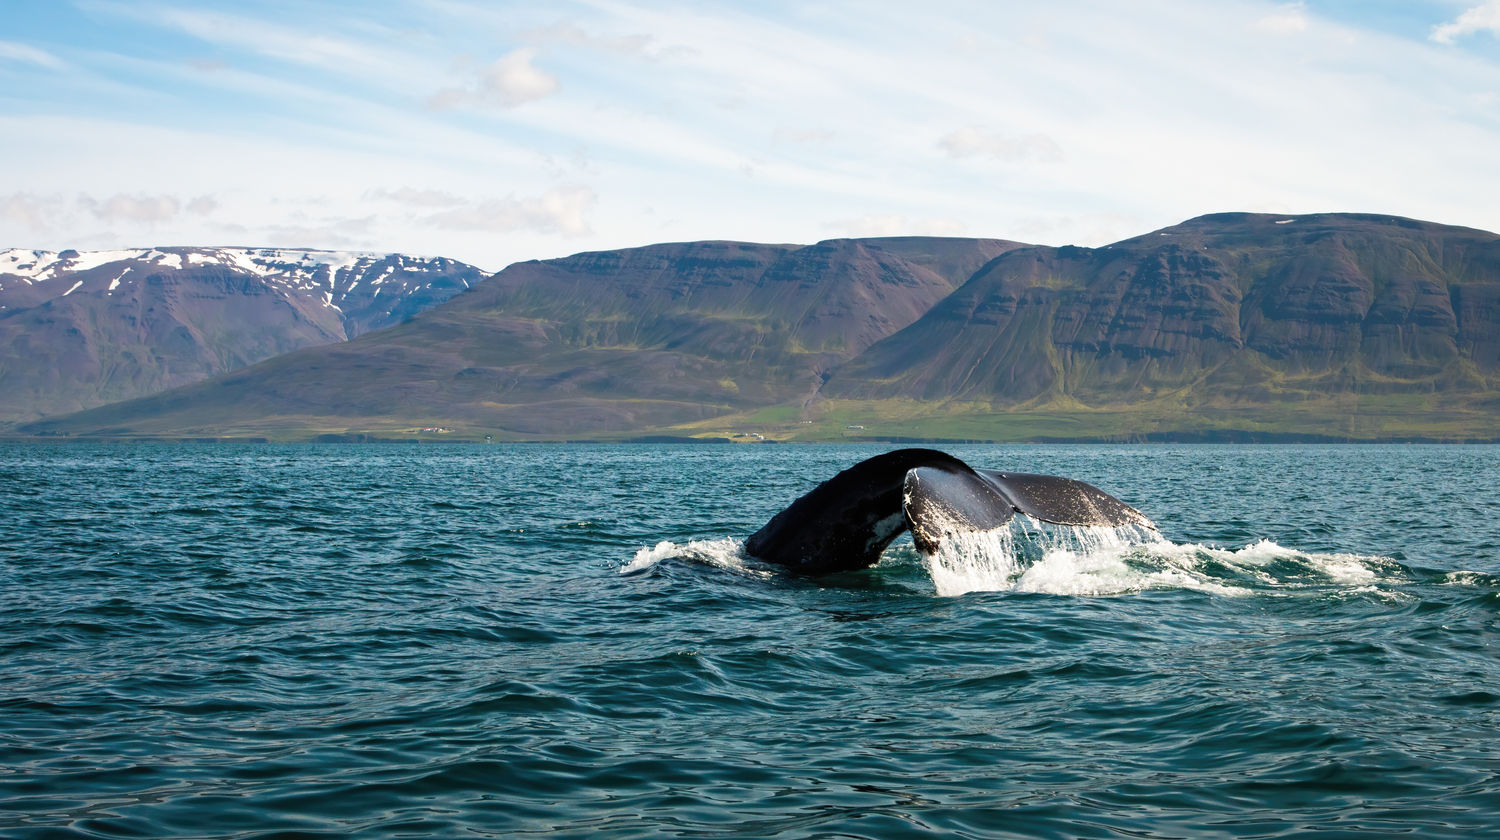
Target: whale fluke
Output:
[(938, 500), (1064, 501), (846, 522)]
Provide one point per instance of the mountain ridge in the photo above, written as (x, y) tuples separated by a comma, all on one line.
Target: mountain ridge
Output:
[(1338, 326)]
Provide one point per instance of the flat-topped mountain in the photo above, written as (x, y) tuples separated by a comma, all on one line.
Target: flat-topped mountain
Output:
[(604, 341), (1236, 306), (84, 329)]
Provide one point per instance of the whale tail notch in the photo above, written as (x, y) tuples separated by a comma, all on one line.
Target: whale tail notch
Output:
[(846, 522)]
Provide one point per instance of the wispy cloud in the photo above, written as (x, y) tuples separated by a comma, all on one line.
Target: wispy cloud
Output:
[(37, 212), (805, 135), (507, 82), (202, 205), (1482, 18), (273, 40), (25, 53), (143, 208), (325, 232), (1075, 122), (635, 44), (132, 208), (975, 141), (41, 212), (413, 197), (563, 210), (1288, 19)]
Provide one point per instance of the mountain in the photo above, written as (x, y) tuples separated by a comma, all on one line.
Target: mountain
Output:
[(1225, 327), (607, 341), (85, 329), (1238, 319)]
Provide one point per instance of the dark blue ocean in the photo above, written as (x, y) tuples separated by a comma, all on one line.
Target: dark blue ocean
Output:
[(222, 641)]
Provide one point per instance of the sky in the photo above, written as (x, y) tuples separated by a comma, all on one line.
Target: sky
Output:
[(494, 132)]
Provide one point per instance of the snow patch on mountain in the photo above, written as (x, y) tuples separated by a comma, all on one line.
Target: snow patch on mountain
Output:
[(327, 276), (47, 265)]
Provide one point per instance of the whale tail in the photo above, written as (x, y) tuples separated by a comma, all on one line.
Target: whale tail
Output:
[(846, 522)]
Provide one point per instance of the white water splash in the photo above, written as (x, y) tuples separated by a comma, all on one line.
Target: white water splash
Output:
[(1026, 556), (977, 561), (724, 553), (1029, 557)]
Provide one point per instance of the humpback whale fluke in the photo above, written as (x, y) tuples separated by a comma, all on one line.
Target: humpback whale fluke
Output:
[(847, 521)]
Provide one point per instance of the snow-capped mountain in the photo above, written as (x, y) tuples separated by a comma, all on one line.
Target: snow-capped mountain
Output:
[(370, 291), (79, 329)]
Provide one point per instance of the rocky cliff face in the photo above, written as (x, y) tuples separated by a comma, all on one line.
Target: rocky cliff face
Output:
[(84, 329), (1234, 305)]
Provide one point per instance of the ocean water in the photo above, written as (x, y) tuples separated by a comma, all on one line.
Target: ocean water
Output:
[(507, 641)]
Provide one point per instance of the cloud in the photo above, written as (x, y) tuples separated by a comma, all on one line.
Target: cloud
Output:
[(1482, 18), (563, 210), (877, 225), (34, 211), (138, 208), (414, 197), (805, 135), (1288, 19), (272, 40), (302, 230), (12, 51), (207, 65), (973, 141), (510, 81), (45, 212), (326, 232), (636, 45), (203, 205), (1159, 111)]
